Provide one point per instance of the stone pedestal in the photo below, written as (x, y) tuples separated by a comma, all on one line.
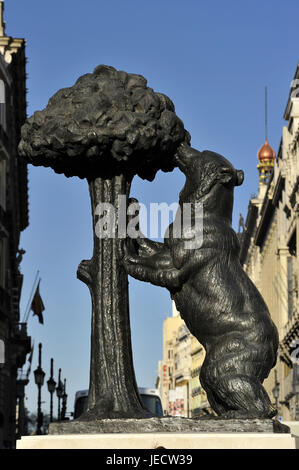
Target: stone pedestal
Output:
[(165, 440), (167, 432), (168, 424)]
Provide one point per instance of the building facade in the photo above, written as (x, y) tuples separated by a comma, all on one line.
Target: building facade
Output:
[(199, 404), (269, 253), (13, 219), (178, 381)]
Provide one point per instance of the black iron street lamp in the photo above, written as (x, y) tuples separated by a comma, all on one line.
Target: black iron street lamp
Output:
[(276, 390), (64, 401), (59, 392), (39, 376), (51, 387)]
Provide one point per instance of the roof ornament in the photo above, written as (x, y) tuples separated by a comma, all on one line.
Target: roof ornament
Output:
[(266, 154)]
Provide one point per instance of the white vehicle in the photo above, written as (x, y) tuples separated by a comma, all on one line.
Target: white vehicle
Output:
[(151, 400), (149, 396), (80, 403)]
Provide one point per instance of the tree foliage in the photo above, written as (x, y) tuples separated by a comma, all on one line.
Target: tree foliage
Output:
[(109, 122)]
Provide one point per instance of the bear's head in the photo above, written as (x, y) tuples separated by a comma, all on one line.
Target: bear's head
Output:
[(204, 170), (210, 177)]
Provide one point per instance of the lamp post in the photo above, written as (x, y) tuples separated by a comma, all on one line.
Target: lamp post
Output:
[(59, 392), (39, 376), (51, 387), (275, 390), (64, 400)]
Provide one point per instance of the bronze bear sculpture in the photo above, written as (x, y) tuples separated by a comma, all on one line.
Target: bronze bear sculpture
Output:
[(218, 302)]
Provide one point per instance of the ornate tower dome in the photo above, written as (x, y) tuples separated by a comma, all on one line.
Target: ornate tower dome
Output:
[(266, 157), (266, 154)]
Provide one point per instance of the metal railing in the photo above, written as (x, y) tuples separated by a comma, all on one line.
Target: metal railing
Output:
[(20, 330)]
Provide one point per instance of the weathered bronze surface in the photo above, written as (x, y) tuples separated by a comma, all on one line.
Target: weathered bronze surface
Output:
[(220, 305), (107, 128)]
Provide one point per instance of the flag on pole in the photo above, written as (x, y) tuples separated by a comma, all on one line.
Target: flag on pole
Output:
[(37, 305), (31, 354)]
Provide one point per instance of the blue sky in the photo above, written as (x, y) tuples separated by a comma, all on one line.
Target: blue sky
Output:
[(213, 59)]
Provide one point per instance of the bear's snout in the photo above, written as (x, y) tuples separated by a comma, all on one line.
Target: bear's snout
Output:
[(239, 177), (185, 157)]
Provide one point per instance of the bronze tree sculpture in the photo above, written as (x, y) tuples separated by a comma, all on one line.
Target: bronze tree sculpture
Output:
[(220, 305), (107, 128)]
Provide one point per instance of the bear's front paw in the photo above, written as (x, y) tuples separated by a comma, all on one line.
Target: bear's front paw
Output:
[(137, 271)]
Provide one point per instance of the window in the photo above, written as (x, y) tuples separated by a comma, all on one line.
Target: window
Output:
[(295, 380), (290, 287), (2, 351), (2, 105), (2, 261), (286, 370), (3, 183)]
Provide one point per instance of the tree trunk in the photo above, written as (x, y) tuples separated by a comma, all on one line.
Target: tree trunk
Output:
[(113, 390)]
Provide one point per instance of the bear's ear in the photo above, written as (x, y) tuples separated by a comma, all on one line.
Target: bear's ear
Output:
[(226, 175)]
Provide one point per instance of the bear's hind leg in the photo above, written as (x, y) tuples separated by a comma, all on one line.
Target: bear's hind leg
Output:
[(217, 407), (243, 397)]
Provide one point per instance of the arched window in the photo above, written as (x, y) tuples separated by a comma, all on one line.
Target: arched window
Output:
[(2, 262), (2, 351), (2, 105), (2, 184)]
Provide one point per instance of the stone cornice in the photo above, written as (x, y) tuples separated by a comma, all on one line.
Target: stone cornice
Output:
[(9, 46), (288, 109)]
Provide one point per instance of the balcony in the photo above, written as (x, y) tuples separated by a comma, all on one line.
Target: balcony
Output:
[(21, 375), (20, 330), (21, 342), (290, 332), (183, 333), (196, 391), (5, 302)]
